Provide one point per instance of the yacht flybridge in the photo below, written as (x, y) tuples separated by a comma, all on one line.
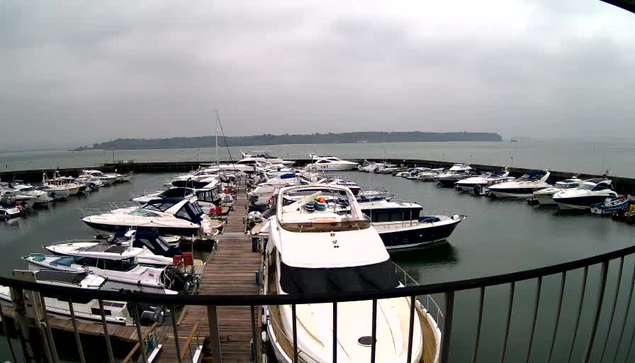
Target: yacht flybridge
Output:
[(317, 247), (523, 188), (330, 163), (165, 216)]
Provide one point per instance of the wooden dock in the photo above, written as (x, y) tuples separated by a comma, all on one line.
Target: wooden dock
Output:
[(230, 270)]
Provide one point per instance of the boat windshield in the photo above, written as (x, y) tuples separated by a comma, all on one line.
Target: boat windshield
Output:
[(312, 281), (143, 213), (586, 186)]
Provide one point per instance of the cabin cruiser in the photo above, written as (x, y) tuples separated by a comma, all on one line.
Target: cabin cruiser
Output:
[(117, 263), (266, 157), (545, 196), (483, 181), (9, 211), (415, 173), (369, 166), (165, 216), (342, 183), (115, 312), (38, 198), (589, 192), (402, 227), (387, 169), (106, 179), (329, 163), (455, 173), (523, 187), (319, 248), (205, 197), (59, 189), (430, 175)]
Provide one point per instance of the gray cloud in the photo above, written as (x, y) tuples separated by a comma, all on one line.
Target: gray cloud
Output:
[(78, 72)]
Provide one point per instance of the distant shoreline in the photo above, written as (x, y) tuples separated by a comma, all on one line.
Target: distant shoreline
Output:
[(286, 139)]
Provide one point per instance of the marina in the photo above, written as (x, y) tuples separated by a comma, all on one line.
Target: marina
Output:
[(233, 262)]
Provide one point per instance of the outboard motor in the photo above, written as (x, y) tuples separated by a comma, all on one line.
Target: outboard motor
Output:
[(175, 279)]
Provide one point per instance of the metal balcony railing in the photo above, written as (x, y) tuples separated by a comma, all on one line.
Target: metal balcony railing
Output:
[(599, 310)]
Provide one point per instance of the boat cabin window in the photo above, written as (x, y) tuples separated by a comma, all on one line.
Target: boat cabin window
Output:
[(104, 264), (602, 186), (394, 215), (247, 162), (176, 192), (314, 281), (76, 300)]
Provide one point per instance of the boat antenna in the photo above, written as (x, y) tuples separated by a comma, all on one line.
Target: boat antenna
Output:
[(216, 143), (224, 138)]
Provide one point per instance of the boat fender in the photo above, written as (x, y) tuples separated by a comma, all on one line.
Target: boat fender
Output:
[(264, 336)]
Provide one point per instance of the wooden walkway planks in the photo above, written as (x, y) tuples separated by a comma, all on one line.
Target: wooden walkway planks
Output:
[(231, 270)]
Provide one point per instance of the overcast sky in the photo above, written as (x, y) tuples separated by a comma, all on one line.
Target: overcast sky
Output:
[(85, 71)]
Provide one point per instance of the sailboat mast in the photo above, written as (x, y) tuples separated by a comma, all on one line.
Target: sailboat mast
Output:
[(217, 120)]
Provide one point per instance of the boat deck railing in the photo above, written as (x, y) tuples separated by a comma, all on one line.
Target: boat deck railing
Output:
[(596, 290)]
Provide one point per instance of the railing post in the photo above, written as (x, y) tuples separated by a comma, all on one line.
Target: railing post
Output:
[(617, 294), (373, 344), (17, 296), (413, 301), (111, 357), (5, 328), (446, 334), (510, 307), (142, 346), (563, 280), (214, 335), (335, 344), (50, 342), (628, 307), (596, 319), (294, 324), (176, 334), (478, 324), (533, 324), (577, 320)]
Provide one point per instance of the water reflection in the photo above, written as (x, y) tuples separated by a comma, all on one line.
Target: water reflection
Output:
[(440, 254)]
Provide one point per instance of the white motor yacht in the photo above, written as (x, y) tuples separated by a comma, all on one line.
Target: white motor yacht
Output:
[(455, 173), (59, 189), (429, 175), (589, 192), (266, 157), (545, 196), (320, 248), (106, 179), (402, 227), (117, 263), (523, 187), (483, 181), (115, 312), (36, 197), (206, 197), (330, 163), (172, 217)]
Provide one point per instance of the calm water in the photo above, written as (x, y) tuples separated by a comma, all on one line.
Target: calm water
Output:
[(497, 237), (589, 157)]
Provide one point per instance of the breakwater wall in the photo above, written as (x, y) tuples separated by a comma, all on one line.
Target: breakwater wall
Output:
[(622, 184)]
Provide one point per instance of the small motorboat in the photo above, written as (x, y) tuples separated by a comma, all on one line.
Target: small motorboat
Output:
[(611, 205), (483, 181), (454, 174)]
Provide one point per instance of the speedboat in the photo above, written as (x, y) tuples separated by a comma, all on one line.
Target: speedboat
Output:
[(330, 163), (402, 227), (429, 175), (326, 248), (523, 187), (59, 189), (455, 173), (265, 156), (166, 216), (483, 181), (589, 192), (9, 211), (115, 312), (106, 179), (545, 196), (206, 197), (117, 263)]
